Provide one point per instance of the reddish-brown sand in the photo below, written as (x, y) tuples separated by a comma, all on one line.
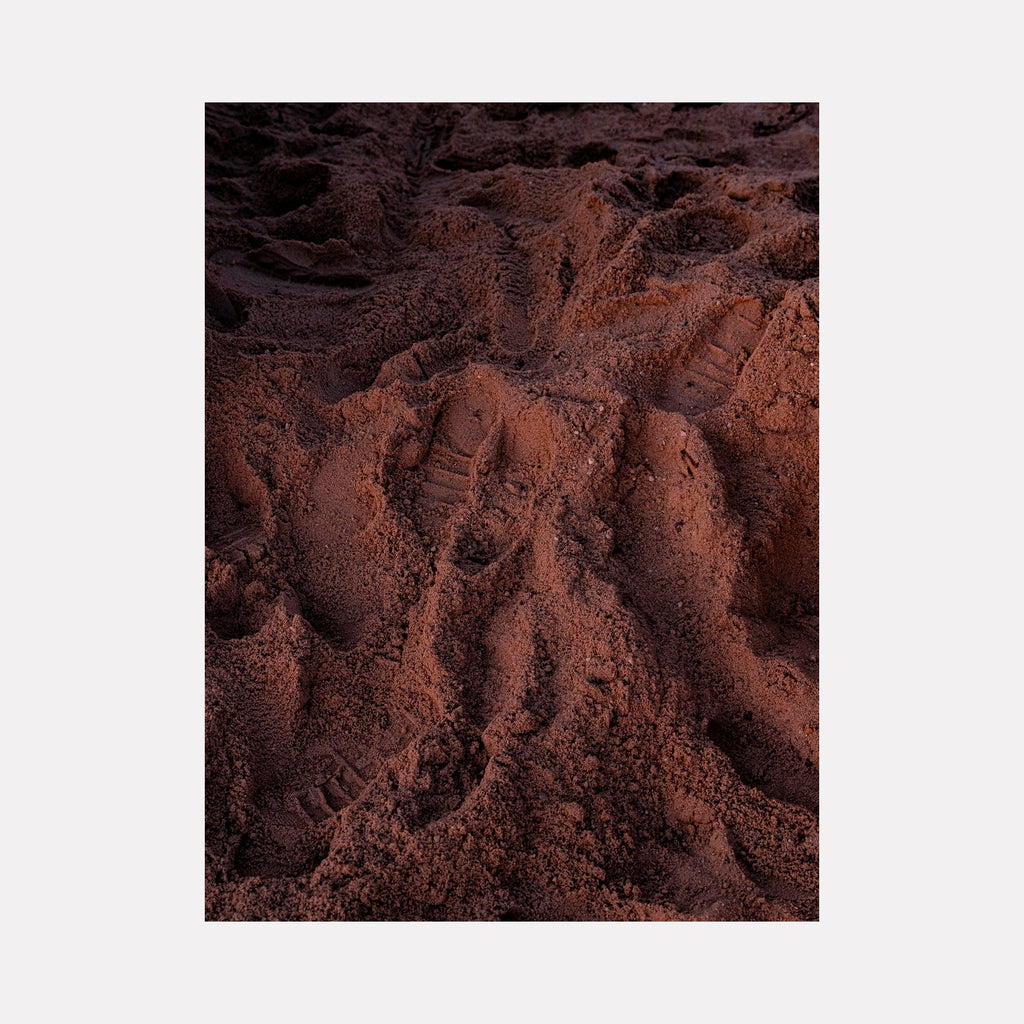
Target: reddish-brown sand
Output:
[(512, 512)]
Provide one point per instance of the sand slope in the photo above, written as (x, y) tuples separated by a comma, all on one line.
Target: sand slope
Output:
[(511, 565)]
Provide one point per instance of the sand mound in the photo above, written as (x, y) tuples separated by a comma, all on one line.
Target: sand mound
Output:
[(512, 512)]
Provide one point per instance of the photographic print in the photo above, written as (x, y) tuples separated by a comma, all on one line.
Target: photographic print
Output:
[(511, 568)]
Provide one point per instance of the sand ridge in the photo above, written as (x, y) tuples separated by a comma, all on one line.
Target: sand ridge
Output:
[(511, 565)]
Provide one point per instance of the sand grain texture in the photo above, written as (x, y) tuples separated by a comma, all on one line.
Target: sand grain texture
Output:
[(512, 512)]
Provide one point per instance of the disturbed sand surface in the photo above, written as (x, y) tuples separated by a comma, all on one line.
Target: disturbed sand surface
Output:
[(512, 512)]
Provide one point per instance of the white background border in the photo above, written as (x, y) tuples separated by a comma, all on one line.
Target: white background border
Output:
[(104, 423)]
